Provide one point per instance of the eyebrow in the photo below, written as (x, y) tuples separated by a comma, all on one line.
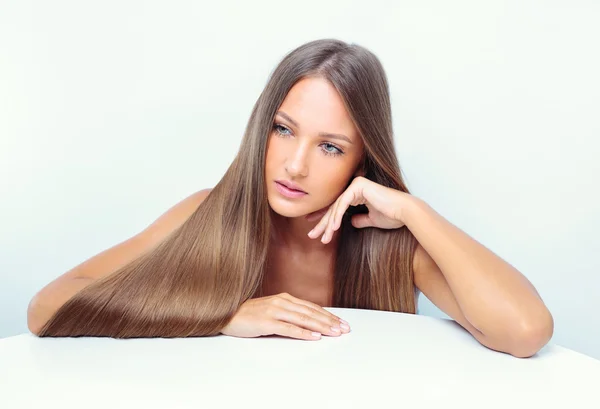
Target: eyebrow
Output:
[(324, 134)]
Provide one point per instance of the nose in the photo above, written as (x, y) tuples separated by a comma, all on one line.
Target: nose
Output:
[(296, 164)]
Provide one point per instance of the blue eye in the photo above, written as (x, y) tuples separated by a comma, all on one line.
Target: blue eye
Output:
[(281, 131), (337, 151), (278, 128)]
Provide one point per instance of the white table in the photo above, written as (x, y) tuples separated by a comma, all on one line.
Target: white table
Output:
[(388, 360)]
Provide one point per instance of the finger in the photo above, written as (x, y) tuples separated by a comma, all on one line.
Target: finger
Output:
[(325, 222), (320, 314), (316, 215), (361, 220), (313, 232), (347, 200), (340, 206), (287, 329), (317, 307), (318, 229), (328, 231), (307, 318)]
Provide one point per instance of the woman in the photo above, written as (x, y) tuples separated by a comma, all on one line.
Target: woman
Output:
[(317, 161)]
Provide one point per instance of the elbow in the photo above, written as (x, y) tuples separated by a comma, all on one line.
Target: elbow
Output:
[(34, 327), (35, 330), (33, 322), (532, 335)]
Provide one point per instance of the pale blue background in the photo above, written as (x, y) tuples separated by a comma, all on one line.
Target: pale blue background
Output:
[(111, 112)]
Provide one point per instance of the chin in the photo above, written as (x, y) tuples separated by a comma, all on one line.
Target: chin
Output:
[(287, 209)]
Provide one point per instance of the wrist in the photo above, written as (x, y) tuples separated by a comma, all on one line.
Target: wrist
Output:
[(409, 208)]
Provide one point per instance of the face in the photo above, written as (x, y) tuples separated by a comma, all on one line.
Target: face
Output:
[(314, 144)]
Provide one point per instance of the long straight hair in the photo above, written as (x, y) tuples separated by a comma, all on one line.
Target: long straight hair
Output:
[(194, 281)]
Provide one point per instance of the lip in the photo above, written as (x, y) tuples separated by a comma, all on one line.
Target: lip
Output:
[(285, 191), (290, 185)]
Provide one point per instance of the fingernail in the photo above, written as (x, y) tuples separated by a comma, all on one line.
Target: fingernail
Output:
[(344, 322), (344, 326)]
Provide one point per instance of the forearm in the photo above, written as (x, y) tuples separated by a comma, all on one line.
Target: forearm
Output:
[(493, 296)]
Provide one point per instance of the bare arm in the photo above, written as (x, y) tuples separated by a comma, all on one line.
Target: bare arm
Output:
[(482, 292), (50, 298)]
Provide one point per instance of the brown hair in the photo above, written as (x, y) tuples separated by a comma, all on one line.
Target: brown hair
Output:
[(194, 281)]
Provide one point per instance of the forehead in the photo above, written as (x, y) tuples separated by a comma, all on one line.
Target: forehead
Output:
[(317, 107)]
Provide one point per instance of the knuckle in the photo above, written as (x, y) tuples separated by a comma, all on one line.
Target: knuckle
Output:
[(311, 308), (306, 333), (323, 311), (290, 328), (311, 312)]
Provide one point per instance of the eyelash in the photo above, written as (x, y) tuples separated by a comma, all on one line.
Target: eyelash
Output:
[(338, 153)]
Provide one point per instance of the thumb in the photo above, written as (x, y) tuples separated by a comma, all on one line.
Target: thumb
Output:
[(361, 220)]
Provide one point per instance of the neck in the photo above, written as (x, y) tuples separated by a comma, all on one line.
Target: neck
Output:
[(292, 233)]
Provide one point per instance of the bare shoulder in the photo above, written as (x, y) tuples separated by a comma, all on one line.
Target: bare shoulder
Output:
[(184, 208), (111, 259), (57, 292), (176, 215)]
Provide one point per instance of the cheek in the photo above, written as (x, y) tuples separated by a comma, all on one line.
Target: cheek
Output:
[(273, 151), (333, 186), (270, 153)]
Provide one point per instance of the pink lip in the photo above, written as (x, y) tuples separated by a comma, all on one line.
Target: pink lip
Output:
[(285, 191), (290, 185)]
